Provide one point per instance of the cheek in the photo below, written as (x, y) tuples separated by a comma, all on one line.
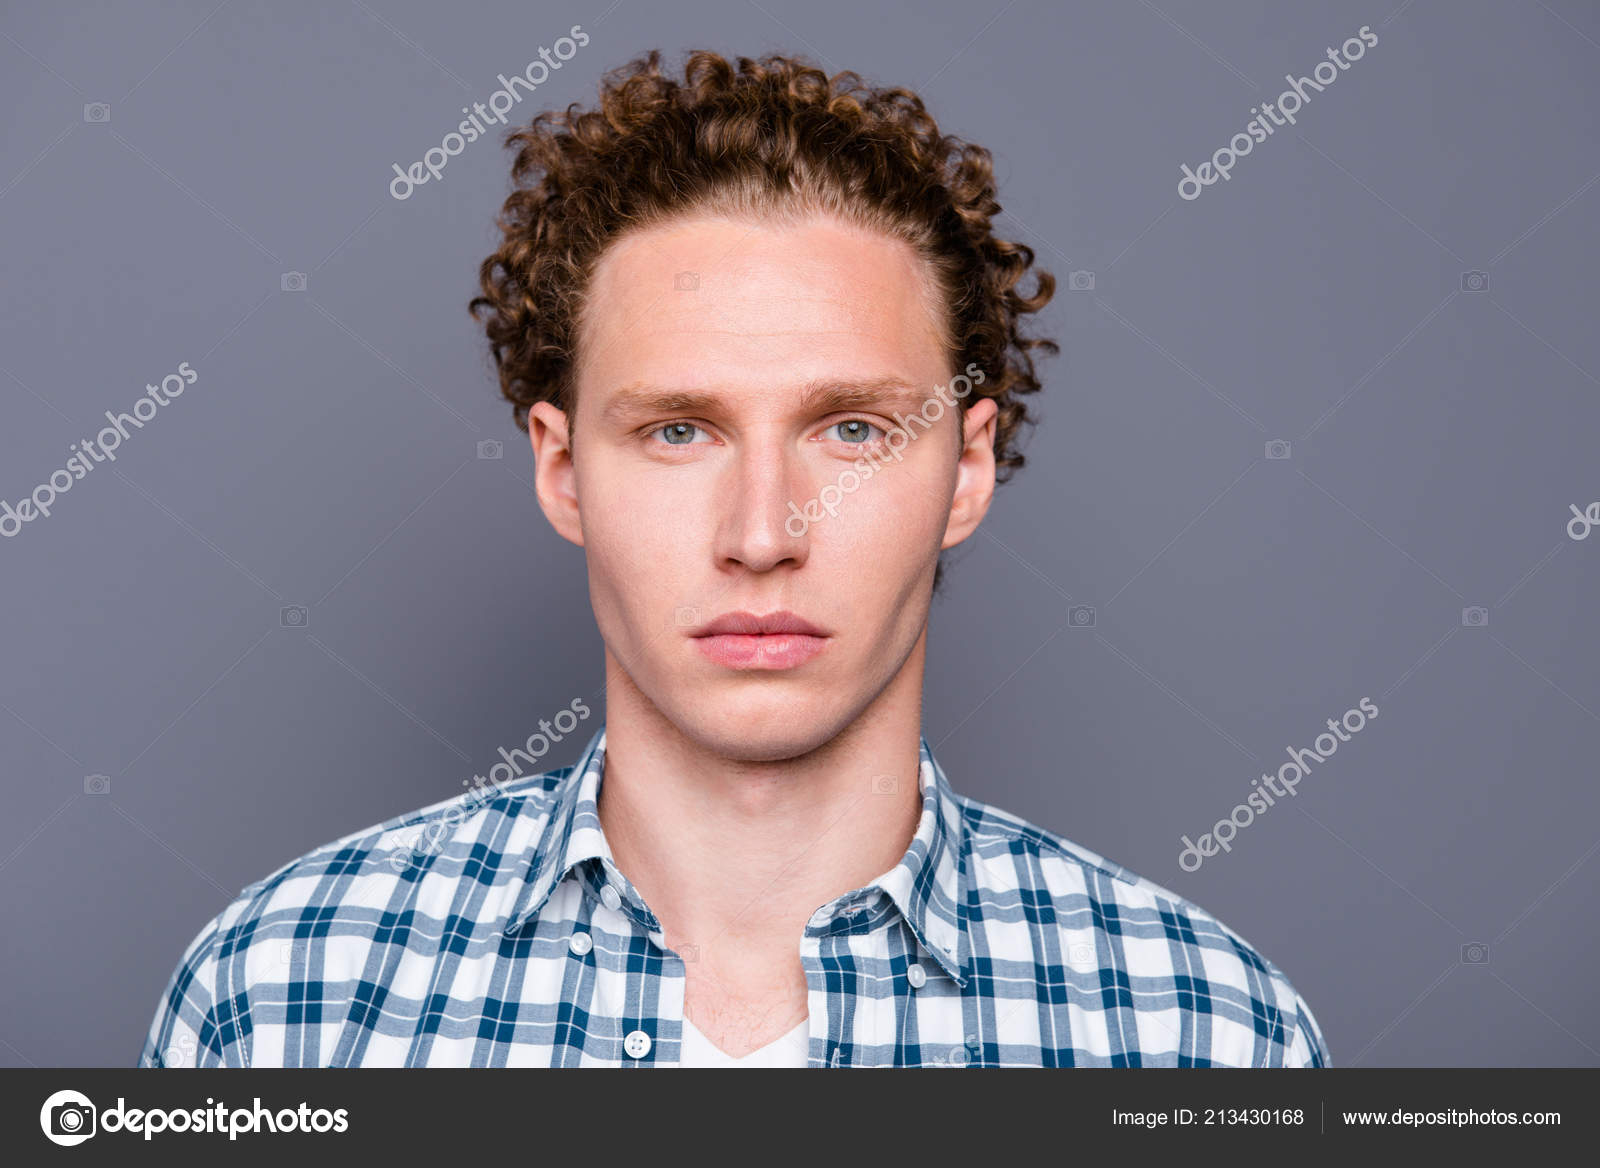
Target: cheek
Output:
[(634, 527), (900, 510)]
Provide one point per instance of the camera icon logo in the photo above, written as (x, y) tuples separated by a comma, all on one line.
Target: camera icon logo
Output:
[(956, 1056), (180, 1054), (293, 282), (690, 953), (1475, 953), (1080, 616), (490, 448), (1474, 617), (1474, 281), (687, 614), (1579, 525), (97, 111), (1279, 448), (68, 1118), (293, 617), (686, 282), (1081, 281), (97, 784), (885, 784)]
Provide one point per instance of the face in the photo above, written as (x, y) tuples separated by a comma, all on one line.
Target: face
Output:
[(737, 391)]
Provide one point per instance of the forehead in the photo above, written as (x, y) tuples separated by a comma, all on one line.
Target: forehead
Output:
[(756, 303)]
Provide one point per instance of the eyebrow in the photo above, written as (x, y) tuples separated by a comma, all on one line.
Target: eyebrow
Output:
[(824, 395)]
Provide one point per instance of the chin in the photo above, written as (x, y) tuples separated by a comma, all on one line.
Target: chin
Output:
[(762, 728)]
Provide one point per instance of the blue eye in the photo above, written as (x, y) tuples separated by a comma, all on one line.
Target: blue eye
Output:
[(854, 431), (679, 433)]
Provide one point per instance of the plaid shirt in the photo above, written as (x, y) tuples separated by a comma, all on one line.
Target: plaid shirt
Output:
[(495, 930)]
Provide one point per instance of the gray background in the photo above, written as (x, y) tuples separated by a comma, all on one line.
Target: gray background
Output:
[(327, 457)]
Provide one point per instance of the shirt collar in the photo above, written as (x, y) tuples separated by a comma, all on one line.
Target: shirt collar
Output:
[(926, 885)]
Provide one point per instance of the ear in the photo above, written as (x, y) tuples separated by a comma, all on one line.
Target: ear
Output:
[(555, 478), (974, 472)]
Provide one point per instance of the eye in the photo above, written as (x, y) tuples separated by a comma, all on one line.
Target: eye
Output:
[(678, 433), (855, 431)]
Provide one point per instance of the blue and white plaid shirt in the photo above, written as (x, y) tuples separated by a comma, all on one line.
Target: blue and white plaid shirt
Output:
[(496, 931)]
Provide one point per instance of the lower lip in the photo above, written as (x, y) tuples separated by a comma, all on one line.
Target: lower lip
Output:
[(774, 651)]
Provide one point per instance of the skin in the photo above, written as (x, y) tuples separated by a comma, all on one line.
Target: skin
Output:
[(739, 801)]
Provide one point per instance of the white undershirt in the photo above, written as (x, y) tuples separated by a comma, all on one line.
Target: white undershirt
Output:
[(790, 1050)]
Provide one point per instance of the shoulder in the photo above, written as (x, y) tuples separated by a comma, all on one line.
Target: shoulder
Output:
[(432, 877), (1167, 951), (415, 839), (413, 862)]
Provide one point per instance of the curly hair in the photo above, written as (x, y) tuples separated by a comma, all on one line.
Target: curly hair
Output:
[(774, 137)]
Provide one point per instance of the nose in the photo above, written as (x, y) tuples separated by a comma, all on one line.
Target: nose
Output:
[(754, 528)]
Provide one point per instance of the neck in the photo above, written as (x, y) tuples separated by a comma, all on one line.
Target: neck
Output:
[(735, 855)]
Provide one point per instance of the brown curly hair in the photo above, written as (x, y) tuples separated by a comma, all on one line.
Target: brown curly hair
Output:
[(768, 137)]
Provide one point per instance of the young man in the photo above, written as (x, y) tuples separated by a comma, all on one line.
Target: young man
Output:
[(767, 351)]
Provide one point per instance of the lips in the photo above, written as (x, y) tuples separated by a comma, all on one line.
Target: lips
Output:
[(747, 624), (777, 640)]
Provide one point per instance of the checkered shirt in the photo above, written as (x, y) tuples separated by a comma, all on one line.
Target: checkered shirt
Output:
[(494, 929)]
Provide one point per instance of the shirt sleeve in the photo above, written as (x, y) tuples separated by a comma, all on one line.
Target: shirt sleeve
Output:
[(186, 1031), (1306, 1046)]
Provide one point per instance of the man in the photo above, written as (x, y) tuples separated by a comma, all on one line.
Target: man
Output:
[(769, 357)]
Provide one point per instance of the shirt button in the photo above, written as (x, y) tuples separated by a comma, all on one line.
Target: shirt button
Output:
[(637, 1044), (609, 897), (916, 975), (581, 943)]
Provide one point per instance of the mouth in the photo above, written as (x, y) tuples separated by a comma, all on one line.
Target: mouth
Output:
[(742, 640)]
